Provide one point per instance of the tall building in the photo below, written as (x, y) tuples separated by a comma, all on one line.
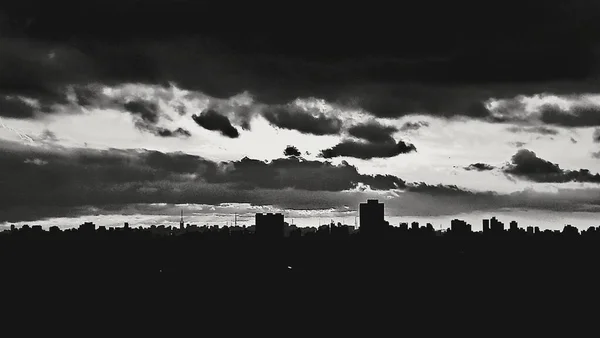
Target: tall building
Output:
[(486, 225), (371, 216), (270, 225), (181, 224), (496, 225)]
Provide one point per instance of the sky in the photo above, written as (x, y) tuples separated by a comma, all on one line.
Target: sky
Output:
[(129, 111)]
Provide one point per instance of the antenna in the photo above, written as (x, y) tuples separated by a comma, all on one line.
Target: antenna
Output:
[(235, 219)]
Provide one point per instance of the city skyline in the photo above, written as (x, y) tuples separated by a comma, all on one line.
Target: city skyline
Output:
[(129, 121)]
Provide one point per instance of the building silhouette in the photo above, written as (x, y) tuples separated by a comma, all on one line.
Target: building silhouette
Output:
[(181, 223), (270, 225), (372, 220)]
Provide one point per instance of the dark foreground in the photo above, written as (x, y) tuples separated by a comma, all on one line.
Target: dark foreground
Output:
[(354, 279)]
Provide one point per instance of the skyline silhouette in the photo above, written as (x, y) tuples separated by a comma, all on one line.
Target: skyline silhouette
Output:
[(281, 167)]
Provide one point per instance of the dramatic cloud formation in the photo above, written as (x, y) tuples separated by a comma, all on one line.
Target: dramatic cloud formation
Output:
[(479, 167), (294, 118), (211, 120), (74, 176), (364, 150), (525, 164), (373, 132), (454, 76), (159, 65), (291, 151)]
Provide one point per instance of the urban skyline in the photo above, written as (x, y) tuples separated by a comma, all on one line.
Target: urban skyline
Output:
[(354, 223)]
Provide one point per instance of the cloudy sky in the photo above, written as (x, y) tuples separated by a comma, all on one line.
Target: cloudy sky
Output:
[(125, 110)]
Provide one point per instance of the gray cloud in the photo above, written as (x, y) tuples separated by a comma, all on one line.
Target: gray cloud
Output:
[(364, 150), (527, 165), (212, 120), (543, 130), (88, 176), (414, 125), (576, 116), (479, 167), (373, 132), (295, 118)]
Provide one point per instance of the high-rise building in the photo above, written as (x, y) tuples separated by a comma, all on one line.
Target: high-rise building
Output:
[(486, 225), (181, 224), (371, 216), (496, 225)]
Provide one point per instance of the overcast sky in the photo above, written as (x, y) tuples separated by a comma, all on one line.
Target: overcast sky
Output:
[(114, 108)]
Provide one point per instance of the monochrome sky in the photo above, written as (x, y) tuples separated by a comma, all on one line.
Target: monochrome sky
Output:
[(135, 107)]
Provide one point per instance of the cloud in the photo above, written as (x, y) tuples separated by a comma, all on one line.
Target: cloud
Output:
[(596, 135), (14, 107), (211, 120), (441, 189), (363, 150), (179, 132), (449, 80), (575, 116), (291, 151), (373, 132), (414, 125), (479, 167), (525, 164), (82, 175), (543, 130), (306, 122)]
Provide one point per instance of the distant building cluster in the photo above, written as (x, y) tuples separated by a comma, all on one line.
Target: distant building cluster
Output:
[(273, 226)]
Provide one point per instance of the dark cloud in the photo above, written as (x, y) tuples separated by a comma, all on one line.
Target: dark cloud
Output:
[(373, 132), (576, 116), (527, 165), (147, 114), (573, 140), (518, 144), (14, 107), (211, 120), (87, 176), (363, 150), (445, 70), (306, 122), (147, 111), (596, 154), (291, 151), (414, 125), (534, 130), (479, 167), (179, 132)]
